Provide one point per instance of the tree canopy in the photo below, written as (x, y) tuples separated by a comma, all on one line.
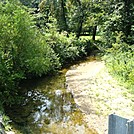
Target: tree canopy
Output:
[(38, 37)]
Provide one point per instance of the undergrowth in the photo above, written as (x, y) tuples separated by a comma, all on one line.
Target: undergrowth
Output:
[(120, 62)]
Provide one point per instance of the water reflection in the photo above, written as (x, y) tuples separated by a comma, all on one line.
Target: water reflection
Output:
[(46, 108)]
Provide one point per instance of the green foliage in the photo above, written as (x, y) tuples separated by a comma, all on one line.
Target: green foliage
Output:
[(35, 41), (23, 49), (119, 18), (118, 40), (65, 45), (26, 51), (120, 62)]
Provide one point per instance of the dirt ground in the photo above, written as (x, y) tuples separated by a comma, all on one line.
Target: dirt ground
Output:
[(98, 94)]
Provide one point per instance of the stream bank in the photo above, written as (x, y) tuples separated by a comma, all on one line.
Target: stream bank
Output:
[(98, 94), (77, 101), (47, 108)]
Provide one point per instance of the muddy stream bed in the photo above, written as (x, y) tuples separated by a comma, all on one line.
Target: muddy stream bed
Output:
[(47, 108)]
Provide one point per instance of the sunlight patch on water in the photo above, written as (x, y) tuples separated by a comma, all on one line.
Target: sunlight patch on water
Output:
[(47, 108)]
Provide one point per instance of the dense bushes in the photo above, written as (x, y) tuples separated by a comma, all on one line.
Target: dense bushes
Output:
[(23, 49), (65, 45), (27, 51), (118, 30), (120, 61)]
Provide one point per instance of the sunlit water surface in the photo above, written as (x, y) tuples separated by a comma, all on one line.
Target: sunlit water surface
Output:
[(47, 108)]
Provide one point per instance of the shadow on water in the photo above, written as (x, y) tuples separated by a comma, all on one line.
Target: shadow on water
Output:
[(47, 108)]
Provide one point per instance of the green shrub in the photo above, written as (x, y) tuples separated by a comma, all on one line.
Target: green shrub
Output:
[(66, 46), (120, 61), (23, 49)]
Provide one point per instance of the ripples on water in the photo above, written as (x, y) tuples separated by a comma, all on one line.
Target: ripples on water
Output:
[(47, 109)]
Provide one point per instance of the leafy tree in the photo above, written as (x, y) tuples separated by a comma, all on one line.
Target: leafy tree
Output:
[(66, 46), (75, 16), (23, 49), (119, 18), (55, 9), (118, 39)]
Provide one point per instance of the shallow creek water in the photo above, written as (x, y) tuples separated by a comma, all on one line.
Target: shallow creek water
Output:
[(47, 108)]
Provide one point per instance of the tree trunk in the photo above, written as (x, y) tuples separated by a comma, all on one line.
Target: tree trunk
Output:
[(80, 21), (65, 27), (127, 24), (79, 27), (94, 32)]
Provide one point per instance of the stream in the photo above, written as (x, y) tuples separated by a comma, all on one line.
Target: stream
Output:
[(47, 108)]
